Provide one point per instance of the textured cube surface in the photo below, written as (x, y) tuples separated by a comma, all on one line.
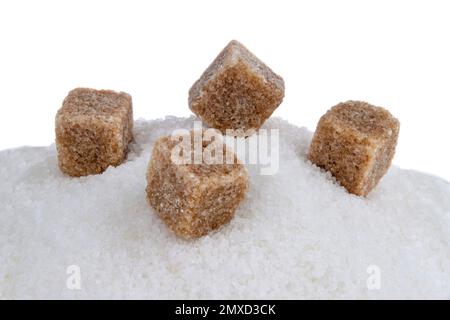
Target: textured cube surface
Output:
[(237, 91), (93, 130), (193, 199), (356, 142)]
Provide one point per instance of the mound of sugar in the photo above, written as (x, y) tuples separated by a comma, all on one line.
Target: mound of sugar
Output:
[(297, 235)]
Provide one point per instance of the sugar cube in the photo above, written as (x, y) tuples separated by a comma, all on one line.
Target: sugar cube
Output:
[(356, 142), (194, 198), (93, 130), (237, 91)]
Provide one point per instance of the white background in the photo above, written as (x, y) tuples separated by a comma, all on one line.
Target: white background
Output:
[(394, 54)]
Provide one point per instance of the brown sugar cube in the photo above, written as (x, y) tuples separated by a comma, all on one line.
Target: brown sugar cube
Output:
[(193, 199), (356, 142), (237, 91), (93, 130)]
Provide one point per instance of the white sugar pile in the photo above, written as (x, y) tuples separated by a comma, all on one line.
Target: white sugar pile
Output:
[(297, 235)]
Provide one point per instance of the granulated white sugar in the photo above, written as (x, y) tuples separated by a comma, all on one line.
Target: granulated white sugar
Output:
[(297, 235)]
